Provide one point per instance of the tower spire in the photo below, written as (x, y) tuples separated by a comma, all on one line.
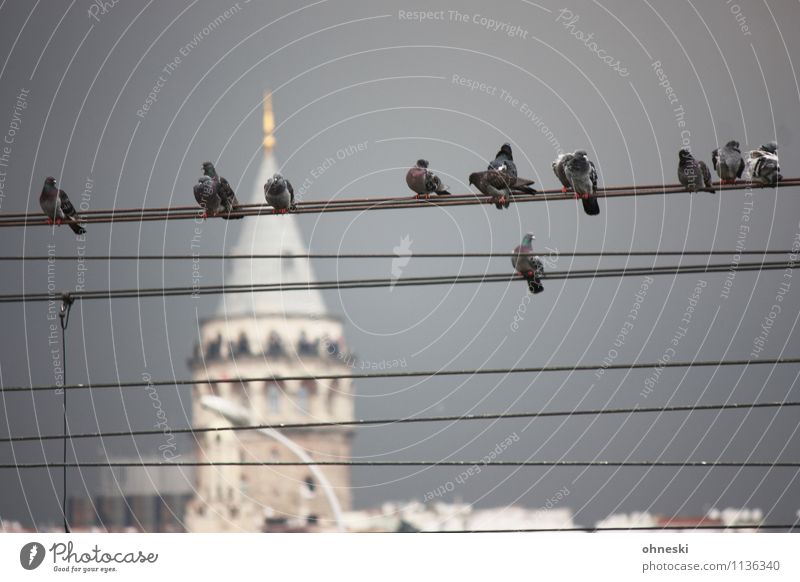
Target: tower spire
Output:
[(268, 123)]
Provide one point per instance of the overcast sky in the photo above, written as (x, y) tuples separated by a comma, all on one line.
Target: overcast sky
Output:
[(451, 88)]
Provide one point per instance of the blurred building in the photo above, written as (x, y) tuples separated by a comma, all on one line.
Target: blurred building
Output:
[(266, 335), (131, 499), (416, 516), (744, 518)]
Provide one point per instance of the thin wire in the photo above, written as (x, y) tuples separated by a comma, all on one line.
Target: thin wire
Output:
[(363, 204), (682, 464), (412, 420), (416, 374), (454, 255), (405, 282), (622, 528)]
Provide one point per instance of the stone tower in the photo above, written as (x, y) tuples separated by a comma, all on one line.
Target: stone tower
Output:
[(270, 335)]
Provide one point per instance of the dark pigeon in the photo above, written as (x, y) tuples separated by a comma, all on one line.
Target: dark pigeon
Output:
[(693, 174), (504, 164), (494, 184), (206, 192), (528, 265), (227, 197), (57, 207), (728, 162), (504, 161), (424, 182), (581, 174), (279, 194)]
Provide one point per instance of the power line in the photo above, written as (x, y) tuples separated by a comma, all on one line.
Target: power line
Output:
[(681, 464), (623, 528), (413, 420), (404, 282), (364, 204), (453, 255), (413, 374)]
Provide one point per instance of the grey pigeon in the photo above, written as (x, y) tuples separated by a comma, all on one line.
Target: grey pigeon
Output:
[(528, 265), (227, 197), (771, 147), (728, 162), (762, 167), (206, 192), (424, 182), (582, 175), (559, 169), (693, 174), (504, 161), (279, 194), (495, 184), (57, 207)]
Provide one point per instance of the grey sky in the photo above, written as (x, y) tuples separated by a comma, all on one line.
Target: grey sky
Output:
[(349, 73)]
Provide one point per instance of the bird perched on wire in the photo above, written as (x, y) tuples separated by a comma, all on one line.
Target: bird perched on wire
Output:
[(528, 264), (693, 174), (560, 170), (762, 165), (582, 175), (279, 194), (57, 207), (424, 182), (503, 162), (494, 184), (500, 179), (728, 162), (227, 197)]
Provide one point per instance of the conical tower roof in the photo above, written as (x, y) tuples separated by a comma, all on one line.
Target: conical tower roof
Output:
[(268, 235)]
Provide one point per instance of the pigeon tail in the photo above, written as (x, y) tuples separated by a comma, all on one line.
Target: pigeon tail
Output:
[(76, 228), (524, 190), (591, 206)]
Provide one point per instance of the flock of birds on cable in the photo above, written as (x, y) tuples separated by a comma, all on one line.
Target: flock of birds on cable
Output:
[(499, 182)]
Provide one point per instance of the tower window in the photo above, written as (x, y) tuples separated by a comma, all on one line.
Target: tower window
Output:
[(310, 484), (302, 398), (274, 398)]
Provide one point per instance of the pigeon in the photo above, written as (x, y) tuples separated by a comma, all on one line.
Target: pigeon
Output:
[(227, 197), (279, 194), (504, 161), (495, 184), (762, 167), (728, 162), (528, 265), (771, 147), (57, 207), (559, 169), (693, 174), (582, 175), (206, 192), (424, 182)]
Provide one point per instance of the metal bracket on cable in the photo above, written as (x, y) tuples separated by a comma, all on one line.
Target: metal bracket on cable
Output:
[(66, 305)]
